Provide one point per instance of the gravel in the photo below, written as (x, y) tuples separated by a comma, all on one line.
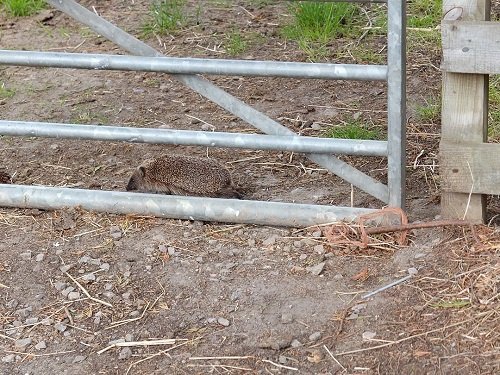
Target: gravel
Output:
[(317, 269), (223, 322), (22, 344), (315, 336), (41, 345)]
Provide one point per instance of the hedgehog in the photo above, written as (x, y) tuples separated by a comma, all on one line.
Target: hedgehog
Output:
[(4, 178), (183, 175)]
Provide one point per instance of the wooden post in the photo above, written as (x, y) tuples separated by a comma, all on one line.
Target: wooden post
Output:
[(464, 113)]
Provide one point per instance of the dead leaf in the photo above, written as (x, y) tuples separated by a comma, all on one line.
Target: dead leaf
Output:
[(361, 275), (420, 353)]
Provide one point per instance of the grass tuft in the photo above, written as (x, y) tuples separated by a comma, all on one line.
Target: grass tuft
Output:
[(5, 92), (353, 129), (430, 112), (235, 43), (315, 24), (166, 16), (494, 109), (22, 8)]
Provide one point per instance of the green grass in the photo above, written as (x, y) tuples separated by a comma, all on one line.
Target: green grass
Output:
[(315, 24), (22, 8), (166, 16), (424, 13), (235, 43), (353, 129), (430, 111), (6, 92), (494, 109)]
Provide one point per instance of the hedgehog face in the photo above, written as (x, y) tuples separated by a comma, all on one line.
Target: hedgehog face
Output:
[(136, 180)]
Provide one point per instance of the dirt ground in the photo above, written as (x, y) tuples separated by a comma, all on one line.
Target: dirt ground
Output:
[(230, 298)]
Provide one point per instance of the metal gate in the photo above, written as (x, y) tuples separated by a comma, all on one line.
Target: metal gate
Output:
[(319, 150)]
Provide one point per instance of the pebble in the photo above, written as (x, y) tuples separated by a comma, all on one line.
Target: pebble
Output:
[(282, 359), (97, 317), (125, 353), (40, 257), (368, 335), (251, 242), (298, 244), (79, 358), (61, 327), (235, 295), (199, 259), (47, 321), (31, 321), (286, 318), (223, 322), (9, 358), (171, 251), (320, 249), (315, 336), (73, 296), (353, 316), (67, 291), (135, 313), (269, 241), (26, 255), (129, 337), (23, 313), (115, 232), (317, 234), (88, 277), (412, 271), (59, 285), (296, 343), (41, 345), (108, 286), (84, 259), (17, 323), (21, 344), (316, 126), (303, 257), (317, 269), (338, 276), (66, 267), (419, 255)]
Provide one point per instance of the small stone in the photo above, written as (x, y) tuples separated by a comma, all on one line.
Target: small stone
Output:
[(59, 285), (296, 343), (317, 234), (353, 316), (135, 313), (26, 255), (129, 337), (223, 322), (67, 291), (315, 336), (95, 261), (61, 327), (31, 321), (317, 269), (251, 242), (368, 335), (338, 276), (84, 259), (9, 358), (108, 286), (66, 267), (269, 241), (282, 359), (412, 271), (41, 345), (88, 277), (125, 353), (286, 318), (23, 313), (359, 307), (40, 257), (316, 126), (79, 358), (21, 344), (73, 296), (171, 251), (303, 257), (235, 295), (109, 294), (126, 295), (47, 321), (298, 244), (207, 127), (17, 323), (319, 249), (115, 232), (199, 259), (419, 255)]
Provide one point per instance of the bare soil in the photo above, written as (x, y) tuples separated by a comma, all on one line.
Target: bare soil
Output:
[(236, 298)]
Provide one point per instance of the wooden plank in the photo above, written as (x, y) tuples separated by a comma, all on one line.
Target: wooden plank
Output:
[(464, 113), (471, 47), (470, 168)]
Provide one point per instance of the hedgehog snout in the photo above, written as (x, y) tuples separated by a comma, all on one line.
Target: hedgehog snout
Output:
[(131, 184)]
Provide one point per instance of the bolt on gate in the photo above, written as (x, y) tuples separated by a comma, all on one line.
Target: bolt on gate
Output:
[(278, 137)]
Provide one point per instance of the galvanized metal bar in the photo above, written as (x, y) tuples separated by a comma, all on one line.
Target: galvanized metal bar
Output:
[(176, 65), (200, 138), (219, 96), (178, 207), (396, 105)]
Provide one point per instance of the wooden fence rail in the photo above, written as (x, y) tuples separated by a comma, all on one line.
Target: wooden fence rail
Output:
[(469, 166)]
